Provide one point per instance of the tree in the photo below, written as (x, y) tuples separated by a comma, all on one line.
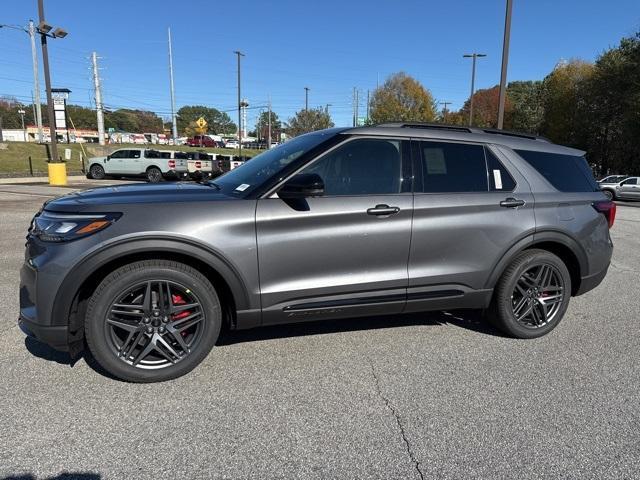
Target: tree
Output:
[(485, 108), (610, 108), (306, 121), (527, 109), (402, 98), (563, 100), (217, 122), (262, 126)]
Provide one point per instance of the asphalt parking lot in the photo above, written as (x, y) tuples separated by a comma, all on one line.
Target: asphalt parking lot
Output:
[(435, 395)]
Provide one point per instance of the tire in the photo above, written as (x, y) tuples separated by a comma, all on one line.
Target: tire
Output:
[(121, 351), (515, 294), (609, 194), (97, 172), (154, 175)]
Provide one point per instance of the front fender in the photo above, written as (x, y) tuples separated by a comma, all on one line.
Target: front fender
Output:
[(104, 254)]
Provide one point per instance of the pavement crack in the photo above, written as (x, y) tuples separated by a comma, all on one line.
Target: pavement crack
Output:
[(395, 414)]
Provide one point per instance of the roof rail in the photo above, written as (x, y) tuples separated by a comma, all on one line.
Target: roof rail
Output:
[(434, 126), (463, 129), (530, 136)]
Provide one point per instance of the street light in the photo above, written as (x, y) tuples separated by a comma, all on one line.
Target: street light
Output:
[(474, 56), (21, 112), (44, 30)]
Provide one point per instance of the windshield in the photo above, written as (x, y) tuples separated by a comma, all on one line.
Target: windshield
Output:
[(254, 172)]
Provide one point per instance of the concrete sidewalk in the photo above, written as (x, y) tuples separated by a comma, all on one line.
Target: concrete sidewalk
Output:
[(42, 180)]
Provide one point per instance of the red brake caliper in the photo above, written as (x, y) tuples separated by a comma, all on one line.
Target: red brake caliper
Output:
[(178, 300)]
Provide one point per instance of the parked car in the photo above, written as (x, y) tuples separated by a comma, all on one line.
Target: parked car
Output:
[(337, 223), (200, 165), (608, 184), (628, 189), (201, 141), (154, 165), (231, 144)]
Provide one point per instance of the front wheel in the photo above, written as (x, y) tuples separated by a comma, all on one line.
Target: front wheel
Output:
[(154, 175), (152, 320), (97, 172), (532, 295)]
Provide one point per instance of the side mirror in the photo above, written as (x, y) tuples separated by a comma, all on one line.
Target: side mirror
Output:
[(303, 185), (108, 157)]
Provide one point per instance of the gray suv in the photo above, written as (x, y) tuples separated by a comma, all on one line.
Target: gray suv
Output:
[(338, 223)]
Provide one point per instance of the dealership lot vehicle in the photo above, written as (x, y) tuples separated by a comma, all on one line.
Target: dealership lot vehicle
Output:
[(200, 165), (334, 224), (154, 165), (628, 189), (608, 184), (459, 390)]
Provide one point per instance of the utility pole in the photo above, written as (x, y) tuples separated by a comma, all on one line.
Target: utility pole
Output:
[(326, 108), (357, 105), (353, 106), (239, 54), (98, 98), (174, 125), (474, 56), (306, 99), (444, 111), (47, 82), (367, 106), (36, 82), (505, 61), (269, 123)]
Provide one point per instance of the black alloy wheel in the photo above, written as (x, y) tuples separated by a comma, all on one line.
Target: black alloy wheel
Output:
[(532, 295), (152, 320), (154, 324), (537, 296)]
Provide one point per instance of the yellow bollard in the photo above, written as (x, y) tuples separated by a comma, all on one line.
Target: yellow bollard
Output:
[(57, 173)]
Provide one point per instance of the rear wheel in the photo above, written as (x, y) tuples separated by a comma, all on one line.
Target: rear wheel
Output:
[(154, 175), (532, 295), (97, 172), (152, 320), (609, 194)]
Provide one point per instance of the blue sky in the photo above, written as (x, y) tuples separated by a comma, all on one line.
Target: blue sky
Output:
[(330, 46)]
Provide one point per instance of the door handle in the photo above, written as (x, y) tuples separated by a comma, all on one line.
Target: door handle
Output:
[(383, 209), (512, 203)]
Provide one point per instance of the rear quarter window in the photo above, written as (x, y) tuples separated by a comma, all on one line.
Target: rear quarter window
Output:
[(567, 173)]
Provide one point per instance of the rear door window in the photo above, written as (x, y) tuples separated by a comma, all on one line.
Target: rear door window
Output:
[(567, 173), (453, 167)]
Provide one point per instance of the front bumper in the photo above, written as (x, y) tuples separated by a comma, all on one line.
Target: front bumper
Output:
[(53, 335)]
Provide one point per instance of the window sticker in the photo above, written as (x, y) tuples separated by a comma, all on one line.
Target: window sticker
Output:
[(434, 158), (242, 187), (497, 179)]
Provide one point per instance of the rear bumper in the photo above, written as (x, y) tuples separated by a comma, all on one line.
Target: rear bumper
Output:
[(53, 335), (591, 281), (176, 174)]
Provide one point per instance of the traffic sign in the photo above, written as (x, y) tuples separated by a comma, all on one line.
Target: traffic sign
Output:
[(201, 123)]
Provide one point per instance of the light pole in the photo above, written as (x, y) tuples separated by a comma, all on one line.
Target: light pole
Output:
[(21, 112), (474, 56), (44, 29), (505, 61), (306, 99), (239, 54)]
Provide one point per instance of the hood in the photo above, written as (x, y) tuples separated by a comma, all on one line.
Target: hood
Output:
[(141, 193)]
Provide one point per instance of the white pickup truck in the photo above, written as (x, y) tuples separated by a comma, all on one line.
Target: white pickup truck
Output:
[(151, 164)]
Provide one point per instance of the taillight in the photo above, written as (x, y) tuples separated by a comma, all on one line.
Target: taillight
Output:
[(172, 164), (198, 164), (608, 209)]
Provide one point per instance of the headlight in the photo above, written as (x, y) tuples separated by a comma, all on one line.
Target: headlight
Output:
[(62, 227)]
